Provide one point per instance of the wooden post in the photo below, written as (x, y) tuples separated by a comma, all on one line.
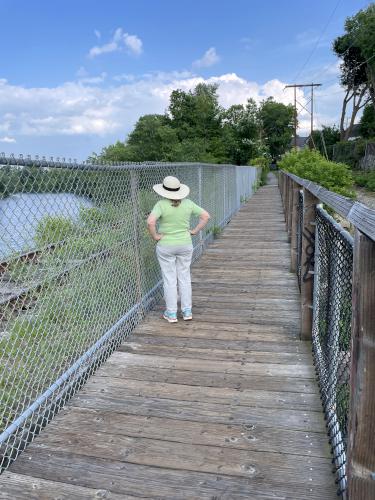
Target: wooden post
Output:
[(307, 263), (361, 443), (294, 222)]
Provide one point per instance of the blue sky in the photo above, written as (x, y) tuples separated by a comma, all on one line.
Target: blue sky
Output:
[(76, 75)]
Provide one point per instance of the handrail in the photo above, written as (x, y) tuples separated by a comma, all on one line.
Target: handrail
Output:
[(337, 284), (358, 214)]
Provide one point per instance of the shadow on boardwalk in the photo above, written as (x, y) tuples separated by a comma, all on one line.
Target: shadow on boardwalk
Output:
[(225, 406)]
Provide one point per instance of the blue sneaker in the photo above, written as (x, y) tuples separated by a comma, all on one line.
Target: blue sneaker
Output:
[(171, 317), (187, 314)]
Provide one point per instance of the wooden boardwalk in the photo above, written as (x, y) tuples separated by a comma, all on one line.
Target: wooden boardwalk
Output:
[(222, 407)]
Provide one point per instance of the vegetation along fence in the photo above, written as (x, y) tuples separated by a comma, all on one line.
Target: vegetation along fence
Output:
[(77, 272), (336, 275)]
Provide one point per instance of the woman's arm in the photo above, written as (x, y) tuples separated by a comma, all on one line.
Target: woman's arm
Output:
[(203, 219), (151, 226)]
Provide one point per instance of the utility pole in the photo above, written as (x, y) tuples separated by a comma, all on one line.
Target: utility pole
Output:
[(299, 85)]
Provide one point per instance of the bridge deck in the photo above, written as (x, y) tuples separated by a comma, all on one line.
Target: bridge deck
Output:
[(225, 406)]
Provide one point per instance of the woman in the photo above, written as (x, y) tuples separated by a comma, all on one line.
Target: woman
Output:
[(174, 248)]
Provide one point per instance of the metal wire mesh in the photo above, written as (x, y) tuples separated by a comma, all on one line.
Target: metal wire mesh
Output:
[(78, 271), (332, 330), (299, 237)]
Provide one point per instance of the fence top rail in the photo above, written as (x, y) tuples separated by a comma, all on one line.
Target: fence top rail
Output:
[(360, 215), (68, 163)]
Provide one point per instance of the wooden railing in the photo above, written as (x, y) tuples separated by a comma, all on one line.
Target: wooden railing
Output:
[(357, 475)]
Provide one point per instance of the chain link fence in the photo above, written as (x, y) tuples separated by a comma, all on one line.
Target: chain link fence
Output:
[(300, 208), (78, 272), (332, 330)]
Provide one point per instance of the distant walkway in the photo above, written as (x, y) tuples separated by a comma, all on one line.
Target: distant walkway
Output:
[(222, 407)]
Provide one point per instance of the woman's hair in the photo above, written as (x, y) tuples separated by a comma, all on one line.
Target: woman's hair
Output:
[(175, 203)]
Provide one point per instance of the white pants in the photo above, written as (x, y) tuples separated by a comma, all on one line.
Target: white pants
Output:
[(175, 268)]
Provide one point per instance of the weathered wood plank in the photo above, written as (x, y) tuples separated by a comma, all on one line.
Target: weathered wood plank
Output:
[(115, 387), (119, 359), (218, 354), (203, 412), (22, 487), (196, 458), (145, 481), (244, 437)]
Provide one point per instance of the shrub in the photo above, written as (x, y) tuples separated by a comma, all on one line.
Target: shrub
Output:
[(311, 165), (52, 229), (365, 179)]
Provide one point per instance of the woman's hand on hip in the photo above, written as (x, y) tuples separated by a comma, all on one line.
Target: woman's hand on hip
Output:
[(193, 232), (158, 237)]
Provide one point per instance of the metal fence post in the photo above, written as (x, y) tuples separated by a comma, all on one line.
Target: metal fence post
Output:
[(225, 194), (361, 443), (134, 190), (200, 201), (307, 263)]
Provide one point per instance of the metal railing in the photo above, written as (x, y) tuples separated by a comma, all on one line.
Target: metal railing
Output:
[(337, 309), (78, 272)]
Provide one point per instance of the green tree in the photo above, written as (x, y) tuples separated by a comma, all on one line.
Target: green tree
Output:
[(356, 49), (367, 123), (324, 139), (277, 122), (241, 131), (153, 139), (196, 114)]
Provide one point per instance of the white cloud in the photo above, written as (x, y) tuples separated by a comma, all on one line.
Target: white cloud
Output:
[(133, 43), (108, 112), (209, 58), (8, 139), (120, 41)]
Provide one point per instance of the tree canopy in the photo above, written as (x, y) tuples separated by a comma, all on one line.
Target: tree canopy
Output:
[(196, 128)]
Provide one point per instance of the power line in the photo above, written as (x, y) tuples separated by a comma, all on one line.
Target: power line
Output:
[(300, 85), (318, 40)]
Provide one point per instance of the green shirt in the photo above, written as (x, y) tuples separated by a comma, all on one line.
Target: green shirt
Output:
[(174, 222)]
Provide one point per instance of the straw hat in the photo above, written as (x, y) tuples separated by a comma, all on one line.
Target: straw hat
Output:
[(172, 189)]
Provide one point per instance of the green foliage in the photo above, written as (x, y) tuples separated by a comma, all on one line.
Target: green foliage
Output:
[(350, 152), (365, 179), (260, 162), (196, 128), (214, 230), (53, 229), (367, 122), (331, 136), (277, 121), (310, 164)]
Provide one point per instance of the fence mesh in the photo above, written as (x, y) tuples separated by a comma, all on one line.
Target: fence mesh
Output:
[(299, 237), (332, 330), (78, 271)]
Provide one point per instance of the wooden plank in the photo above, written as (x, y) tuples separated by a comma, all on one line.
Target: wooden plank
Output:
[(240, 367), (263, 345), (203, 412), (218, 354), (217, 379), (185, 456), (22, 487), (144, 481), (115, 387), (243, 437)]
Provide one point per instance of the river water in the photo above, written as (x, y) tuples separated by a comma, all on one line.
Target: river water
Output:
[(21, 213)]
